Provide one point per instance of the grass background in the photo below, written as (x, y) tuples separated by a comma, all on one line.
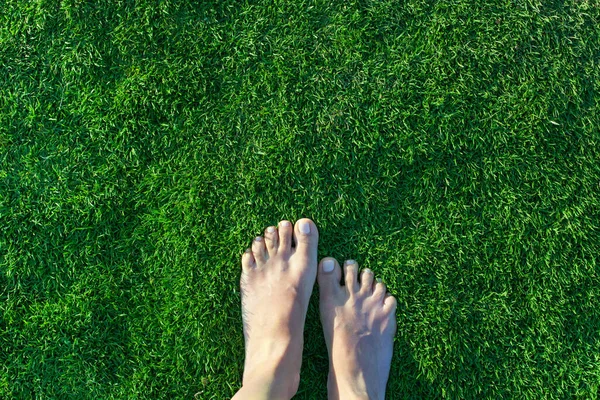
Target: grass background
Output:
[(451, 146)]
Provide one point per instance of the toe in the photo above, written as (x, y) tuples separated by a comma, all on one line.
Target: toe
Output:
[(306, 237), (285, 236), (259, 249), (390, 303), (379, 290), (389, 307), (271, 240), (248, 261), (329, 277), (366, 281), (351, 275)]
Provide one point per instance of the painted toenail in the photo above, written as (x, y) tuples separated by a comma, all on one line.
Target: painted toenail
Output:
[(328, 265), (258, 239), (367, 271), (305, 227), (379, 280), (285, 223), (270, 229), (350, 262)]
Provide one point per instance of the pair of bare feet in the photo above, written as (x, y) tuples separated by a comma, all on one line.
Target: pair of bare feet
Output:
[(278, 275)]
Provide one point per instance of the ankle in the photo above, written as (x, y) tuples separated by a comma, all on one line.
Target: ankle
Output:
[(270, 384), (349, 388), (269, 356), (275, 367)]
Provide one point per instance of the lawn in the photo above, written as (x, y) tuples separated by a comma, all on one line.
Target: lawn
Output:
[(453, 147)]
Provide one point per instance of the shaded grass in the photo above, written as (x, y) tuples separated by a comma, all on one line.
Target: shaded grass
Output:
[(452, 147)]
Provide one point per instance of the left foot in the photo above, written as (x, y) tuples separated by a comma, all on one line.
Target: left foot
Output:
[(278, 275)]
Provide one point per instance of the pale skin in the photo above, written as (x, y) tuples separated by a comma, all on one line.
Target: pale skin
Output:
[(358, 318)]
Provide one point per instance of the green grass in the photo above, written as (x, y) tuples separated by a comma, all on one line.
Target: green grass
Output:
[(451, 146)]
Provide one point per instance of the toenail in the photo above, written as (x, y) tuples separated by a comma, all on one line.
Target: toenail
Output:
[(350, 262), (367, 271), (270, 229), (258, 239), (285, 223), (379, 280), (328, 265), (305, 227)]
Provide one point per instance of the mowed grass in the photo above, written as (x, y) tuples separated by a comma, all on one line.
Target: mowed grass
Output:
[(453, 147)]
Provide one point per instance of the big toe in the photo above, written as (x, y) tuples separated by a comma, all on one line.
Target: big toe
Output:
[(329, 277), (306, 237)]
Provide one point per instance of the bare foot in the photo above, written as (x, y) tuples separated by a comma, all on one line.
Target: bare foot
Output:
[(278, 275), (359, 321)]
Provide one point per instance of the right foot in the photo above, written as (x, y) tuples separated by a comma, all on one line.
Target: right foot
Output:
[(359, 322)]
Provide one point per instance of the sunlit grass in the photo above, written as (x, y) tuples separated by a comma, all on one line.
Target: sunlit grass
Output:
[(452, 147)]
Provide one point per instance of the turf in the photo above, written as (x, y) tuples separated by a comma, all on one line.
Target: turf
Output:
[(451, 146)]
